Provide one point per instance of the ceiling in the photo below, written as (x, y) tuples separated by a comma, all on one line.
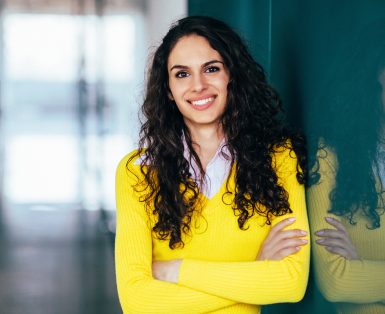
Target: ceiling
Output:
[(72, 6)]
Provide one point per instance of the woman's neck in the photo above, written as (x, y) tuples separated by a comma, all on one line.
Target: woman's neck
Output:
[(205, 142)]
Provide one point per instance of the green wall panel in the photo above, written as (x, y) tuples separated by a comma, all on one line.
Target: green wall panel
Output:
[(322, 57), (250, 18)]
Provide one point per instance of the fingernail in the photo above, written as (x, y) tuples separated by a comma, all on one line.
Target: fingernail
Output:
[(329, 219), (320, 240), (319, 232), (297, 248), (291, 219), (303, 232), (303, 240)]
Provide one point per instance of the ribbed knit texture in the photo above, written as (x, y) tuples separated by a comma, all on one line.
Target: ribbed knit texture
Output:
[(357, 285), (219, 272)]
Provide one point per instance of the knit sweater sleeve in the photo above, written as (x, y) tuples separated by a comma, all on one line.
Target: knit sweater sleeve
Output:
[(138, 291), (339, 279), (259, 282)]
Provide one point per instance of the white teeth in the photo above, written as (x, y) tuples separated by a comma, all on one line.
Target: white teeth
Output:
[(202, 101)]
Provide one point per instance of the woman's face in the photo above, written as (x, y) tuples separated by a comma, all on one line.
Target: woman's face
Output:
[(198, 81)]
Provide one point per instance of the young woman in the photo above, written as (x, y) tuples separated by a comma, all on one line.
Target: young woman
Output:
[(211, 211)]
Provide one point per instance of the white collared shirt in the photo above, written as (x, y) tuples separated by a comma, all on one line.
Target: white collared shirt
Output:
[(217, 170)]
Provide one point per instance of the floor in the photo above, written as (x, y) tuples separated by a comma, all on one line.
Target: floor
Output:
[(55, 261)]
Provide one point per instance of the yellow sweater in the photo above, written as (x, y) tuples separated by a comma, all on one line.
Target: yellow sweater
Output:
[(219, 272), (357, 285)]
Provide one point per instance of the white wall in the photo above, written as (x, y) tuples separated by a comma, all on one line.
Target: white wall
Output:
[(160, 14)]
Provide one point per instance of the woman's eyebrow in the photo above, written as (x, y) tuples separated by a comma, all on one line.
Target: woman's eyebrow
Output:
[(184, 67), (178, 66), (211, 62)]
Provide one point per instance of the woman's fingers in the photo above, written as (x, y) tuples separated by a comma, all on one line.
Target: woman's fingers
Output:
[(286, 252), (279, 238), (337, 240), (293, 233), (280, 243), (335, 223), (281, 225), (339, 246), (346, 252), (332, 233), (288, 247), (277, 233), (293, 242)]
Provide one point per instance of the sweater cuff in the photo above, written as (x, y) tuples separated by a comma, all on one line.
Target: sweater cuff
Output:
[(189, 272)]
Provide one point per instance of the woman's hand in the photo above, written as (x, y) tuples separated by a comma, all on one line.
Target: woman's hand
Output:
[(337, 240), (281, 243), (166, 270)]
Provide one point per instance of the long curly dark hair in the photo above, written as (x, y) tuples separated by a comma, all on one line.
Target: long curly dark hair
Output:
[(250, 123), (350, 121)]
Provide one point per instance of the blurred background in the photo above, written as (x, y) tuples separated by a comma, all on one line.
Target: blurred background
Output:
[(72, 76)]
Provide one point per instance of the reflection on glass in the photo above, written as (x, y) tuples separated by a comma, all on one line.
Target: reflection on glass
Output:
[(346, 194)]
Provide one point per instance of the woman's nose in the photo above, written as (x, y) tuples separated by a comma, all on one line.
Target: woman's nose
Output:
[(199, 83)]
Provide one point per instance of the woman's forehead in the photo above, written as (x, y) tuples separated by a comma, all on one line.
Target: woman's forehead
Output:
[(192, 49)]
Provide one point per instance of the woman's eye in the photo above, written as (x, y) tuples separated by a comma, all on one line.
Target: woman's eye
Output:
[(181, 74), (212, 69)]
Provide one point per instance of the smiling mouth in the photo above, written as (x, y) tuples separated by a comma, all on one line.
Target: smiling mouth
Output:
[(202, 102)]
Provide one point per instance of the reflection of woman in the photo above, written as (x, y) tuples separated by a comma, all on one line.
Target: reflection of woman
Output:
[(211, 214), (346, 206)]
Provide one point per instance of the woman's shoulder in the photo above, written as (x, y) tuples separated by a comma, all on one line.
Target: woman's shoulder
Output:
[(326, 158), (131, 162), (284, 157)]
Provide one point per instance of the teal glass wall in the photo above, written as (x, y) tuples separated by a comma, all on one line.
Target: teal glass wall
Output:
[(327, 61), (249, 18)]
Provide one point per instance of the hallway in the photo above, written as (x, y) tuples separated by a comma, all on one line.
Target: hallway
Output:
[(56, 261)]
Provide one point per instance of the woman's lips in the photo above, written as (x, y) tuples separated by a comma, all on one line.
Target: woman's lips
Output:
[(202, 103)]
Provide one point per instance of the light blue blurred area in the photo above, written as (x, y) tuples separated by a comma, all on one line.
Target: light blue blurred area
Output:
[(72, 76), (69, 106)]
